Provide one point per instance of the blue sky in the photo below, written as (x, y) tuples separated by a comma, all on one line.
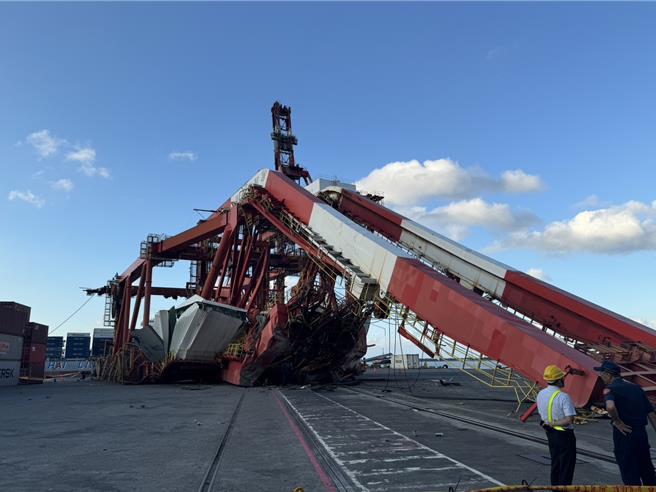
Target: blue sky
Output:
[(94, 99)]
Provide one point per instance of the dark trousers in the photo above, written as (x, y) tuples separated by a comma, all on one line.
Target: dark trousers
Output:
[(562, 447), (633, 458)]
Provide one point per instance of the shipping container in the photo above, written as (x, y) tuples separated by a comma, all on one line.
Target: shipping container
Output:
[(102, 347), (78, 346), (9, 372), (54, 353), (77, 354), (55, 347), (11, 347), (103, 333), (34, 353), (36, 332), (35, 370), (13, 318)]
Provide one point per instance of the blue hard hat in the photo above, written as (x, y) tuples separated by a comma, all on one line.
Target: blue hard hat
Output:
[(609, 367)]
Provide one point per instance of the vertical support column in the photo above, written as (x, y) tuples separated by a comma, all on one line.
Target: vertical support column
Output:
[(148, 273), (242, 265), (125, 310), (137, 302), (221, 251)]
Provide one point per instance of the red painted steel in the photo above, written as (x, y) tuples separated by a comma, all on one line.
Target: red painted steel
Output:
[(381, 219), (468, 318), (137, 302), (204, 230), (147, 292), (572, 315), (224, 245), (298, 201)]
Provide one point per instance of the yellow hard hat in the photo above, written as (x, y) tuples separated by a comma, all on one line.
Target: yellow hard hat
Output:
[(553, 373)]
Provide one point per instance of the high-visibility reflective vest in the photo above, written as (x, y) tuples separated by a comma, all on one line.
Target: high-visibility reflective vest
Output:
[(550, 408)]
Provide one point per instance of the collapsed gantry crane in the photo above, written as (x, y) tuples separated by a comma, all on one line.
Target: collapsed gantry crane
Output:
[(355, 260)]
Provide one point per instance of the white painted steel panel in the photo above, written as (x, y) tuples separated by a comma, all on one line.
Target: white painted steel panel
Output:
[(204, 330), (259, 179), (11, 347), (473, 268), (321, 184), (370, 253), (9, 372), (163, 325)]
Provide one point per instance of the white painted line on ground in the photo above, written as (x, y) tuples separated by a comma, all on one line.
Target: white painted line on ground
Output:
[(458, 463), (339, 462)]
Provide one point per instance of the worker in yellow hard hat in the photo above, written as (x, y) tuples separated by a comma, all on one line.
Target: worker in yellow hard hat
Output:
[(557, 413)]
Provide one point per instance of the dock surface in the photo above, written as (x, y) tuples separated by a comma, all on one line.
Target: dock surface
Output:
[(400, 432)]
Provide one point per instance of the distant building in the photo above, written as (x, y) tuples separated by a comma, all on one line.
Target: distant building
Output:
[(405, 361)]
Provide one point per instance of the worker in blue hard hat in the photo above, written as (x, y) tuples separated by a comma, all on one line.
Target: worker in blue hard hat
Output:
[(629, 410), (557, 413)]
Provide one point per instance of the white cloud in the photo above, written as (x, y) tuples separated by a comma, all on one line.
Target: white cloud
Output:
[(86, 156), (455, 219), (409, 183), (183, 156), (83, 155), (26, 196), (63, 184), (517, 181), (44, 143), (614, 230), (590, 201), (538, 273)]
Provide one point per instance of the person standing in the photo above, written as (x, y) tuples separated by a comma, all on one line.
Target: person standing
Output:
[(629, 409), (557, 413)]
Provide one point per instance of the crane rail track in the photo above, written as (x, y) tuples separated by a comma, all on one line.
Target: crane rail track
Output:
[(484, 425), (211, 473)]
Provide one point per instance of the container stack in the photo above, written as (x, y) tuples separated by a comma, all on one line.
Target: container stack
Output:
[(103, 341), (33, 361), (13, 319), (77, 346), (55, 348)]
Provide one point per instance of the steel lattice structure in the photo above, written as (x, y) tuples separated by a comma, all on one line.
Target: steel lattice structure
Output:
[(329, 235)]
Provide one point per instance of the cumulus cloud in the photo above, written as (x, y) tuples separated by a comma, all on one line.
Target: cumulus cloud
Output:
[(183, 156), (411, 182), (86, 156), (614, 230), (44, 143), (63, 184), (538, 273), (27, 197), (455, 219), (517, 181)]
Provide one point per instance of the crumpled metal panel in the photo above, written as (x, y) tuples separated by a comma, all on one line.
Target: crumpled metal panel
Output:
[(150, 343), (163, 325), (204, 329)]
